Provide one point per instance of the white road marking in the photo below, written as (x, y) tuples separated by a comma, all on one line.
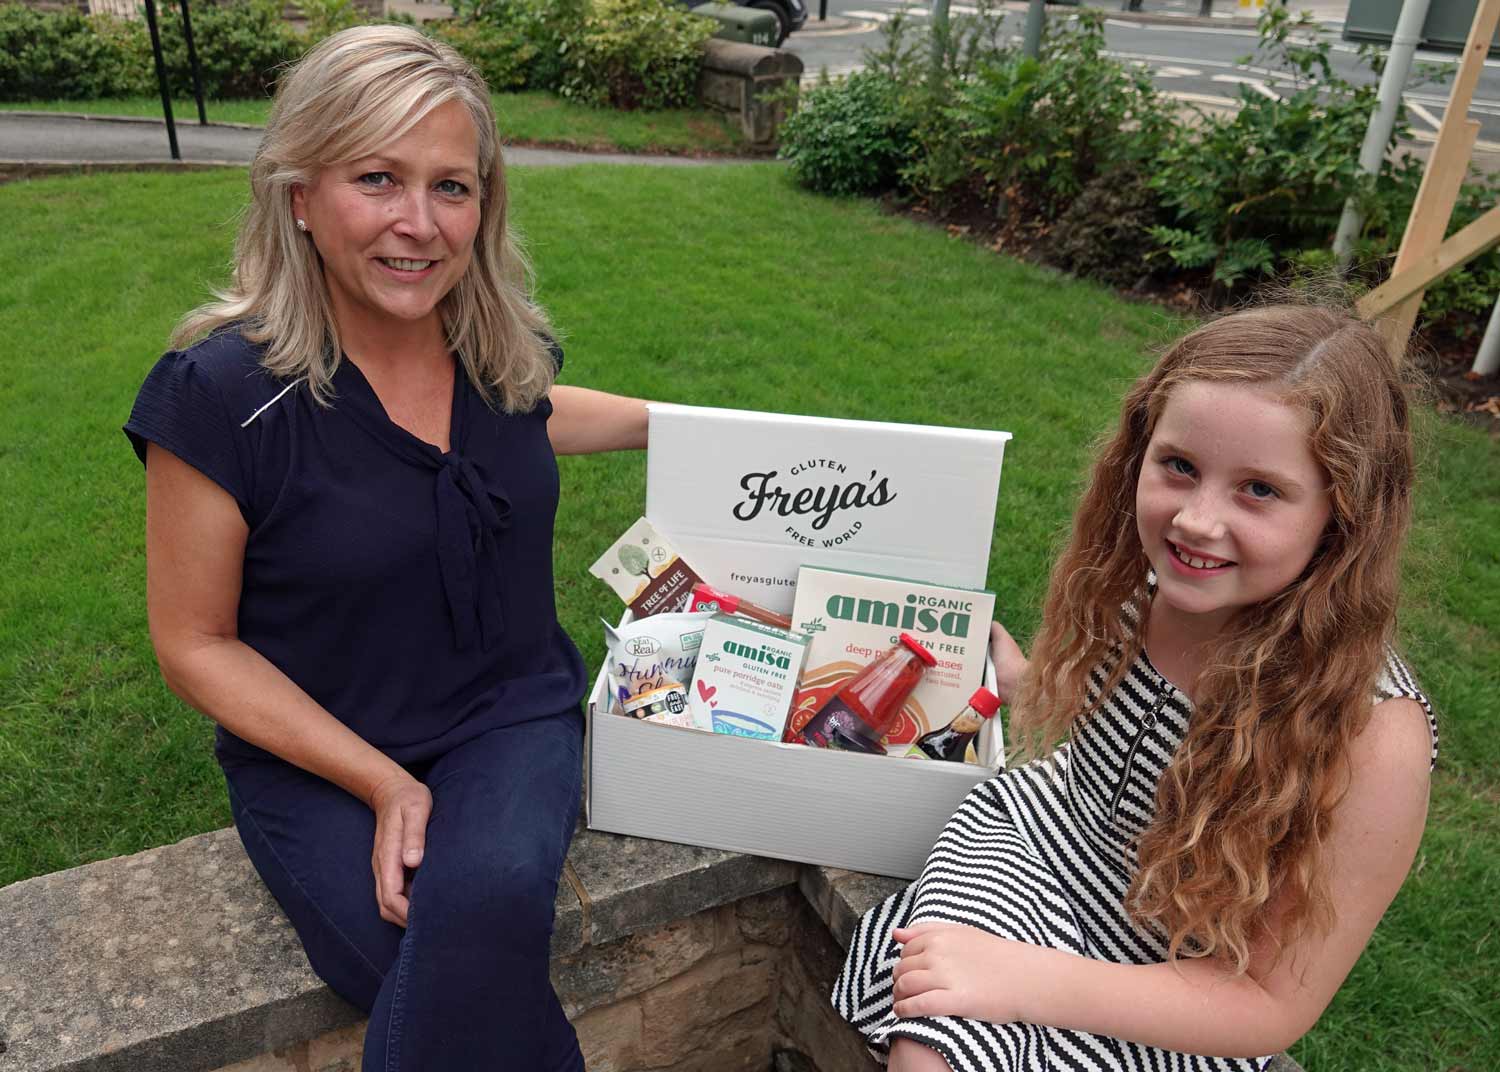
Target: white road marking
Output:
[(1254, 83), (1204, 98), (1479, 146), (873, 16), (1426, 56), (1169, 71)]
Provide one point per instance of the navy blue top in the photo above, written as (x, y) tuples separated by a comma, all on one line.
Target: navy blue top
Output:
[(406, 590)]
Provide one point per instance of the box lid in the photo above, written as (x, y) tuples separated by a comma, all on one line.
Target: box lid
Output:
[(747, 498)]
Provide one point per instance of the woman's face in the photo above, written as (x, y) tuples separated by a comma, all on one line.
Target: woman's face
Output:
[(396, 229)]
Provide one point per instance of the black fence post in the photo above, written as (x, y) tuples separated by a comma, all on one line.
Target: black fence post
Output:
[(187, 35), (161, 78)]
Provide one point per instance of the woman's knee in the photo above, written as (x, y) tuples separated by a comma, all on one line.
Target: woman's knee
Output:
[(488, 897)]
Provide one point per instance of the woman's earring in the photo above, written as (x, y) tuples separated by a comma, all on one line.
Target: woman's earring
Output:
[(302, 225)]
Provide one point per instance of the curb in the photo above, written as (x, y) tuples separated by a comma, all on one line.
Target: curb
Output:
[(22, 170), (94, 117)]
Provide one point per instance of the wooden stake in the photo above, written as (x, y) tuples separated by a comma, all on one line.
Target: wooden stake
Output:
[(1477, 238), (1445, 172)]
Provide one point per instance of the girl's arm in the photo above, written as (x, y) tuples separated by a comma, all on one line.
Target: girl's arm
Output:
[(1198, 1006), (1010, 661), (588, 422), (195, 551)]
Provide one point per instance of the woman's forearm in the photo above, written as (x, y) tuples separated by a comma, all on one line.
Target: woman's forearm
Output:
[(588, 422), (240, 689), (1192, 1007)]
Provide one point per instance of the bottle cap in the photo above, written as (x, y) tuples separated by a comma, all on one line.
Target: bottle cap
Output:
[(984, 701), (917, 646), (707, 597)]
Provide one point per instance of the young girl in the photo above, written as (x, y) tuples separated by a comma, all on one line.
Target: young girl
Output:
[(1244, 784)]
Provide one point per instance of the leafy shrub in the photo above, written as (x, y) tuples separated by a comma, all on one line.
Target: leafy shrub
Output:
[(501, 54), (1105, 233), (636, 54), (847, 137), (547, 27), (327, 17), (241, 47), (1244, 191), (1041, 130), (69, 56)]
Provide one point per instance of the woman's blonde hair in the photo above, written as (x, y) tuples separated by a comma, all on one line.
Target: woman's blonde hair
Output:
[(353, 93), (1244, 807)]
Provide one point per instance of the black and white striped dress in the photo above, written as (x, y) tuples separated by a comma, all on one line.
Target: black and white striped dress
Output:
[(1039, 854)]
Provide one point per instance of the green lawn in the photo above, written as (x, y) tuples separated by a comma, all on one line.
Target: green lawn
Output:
[(747, 293), (529, 118)]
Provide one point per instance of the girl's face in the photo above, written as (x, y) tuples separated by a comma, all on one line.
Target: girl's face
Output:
[(1231, 504), (396, 230)]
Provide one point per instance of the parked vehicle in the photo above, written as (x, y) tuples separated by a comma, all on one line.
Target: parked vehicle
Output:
[(790, 15)]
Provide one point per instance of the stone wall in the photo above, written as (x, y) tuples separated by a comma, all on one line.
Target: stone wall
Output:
[(719, 991)]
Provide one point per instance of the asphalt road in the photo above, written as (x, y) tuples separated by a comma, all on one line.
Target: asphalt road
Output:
[(1193, 61)]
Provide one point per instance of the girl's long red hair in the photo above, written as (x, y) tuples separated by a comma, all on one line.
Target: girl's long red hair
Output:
[(1244, 807)]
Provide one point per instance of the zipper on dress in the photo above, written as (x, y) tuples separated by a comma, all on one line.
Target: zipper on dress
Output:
[(1147, 724)]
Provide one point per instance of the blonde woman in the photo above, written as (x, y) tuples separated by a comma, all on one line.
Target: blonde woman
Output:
[(1185, 883), (351, 485)]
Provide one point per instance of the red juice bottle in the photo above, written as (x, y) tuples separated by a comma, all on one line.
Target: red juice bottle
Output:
[(863, 709)]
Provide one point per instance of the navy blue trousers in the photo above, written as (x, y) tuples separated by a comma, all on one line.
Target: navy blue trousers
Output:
[(465, 986)]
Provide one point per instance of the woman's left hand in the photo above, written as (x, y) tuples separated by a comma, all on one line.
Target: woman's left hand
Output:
[(947, 969)]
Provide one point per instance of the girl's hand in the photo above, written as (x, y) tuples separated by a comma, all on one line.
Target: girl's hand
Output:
[(402, 806), (947, 969), (1010, 661)]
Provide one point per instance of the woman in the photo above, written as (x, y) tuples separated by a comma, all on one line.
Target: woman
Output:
[(350, 495)]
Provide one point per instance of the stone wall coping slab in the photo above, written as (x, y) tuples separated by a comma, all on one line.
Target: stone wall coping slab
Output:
[(178, 958)]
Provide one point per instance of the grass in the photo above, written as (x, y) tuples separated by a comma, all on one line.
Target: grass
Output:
[(749, 293), (527, 118)]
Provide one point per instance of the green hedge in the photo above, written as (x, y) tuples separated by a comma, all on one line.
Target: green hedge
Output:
[(617, 53), (68, 56), (1081, 159)]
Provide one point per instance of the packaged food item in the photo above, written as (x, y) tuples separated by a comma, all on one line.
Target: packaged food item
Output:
[(646, 572), (651, 662), (852, 617), (953, 741), (707, 597), (746, 677), (860, 713)]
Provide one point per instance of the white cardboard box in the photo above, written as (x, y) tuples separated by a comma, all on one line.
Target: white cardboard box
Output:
[(932, 520)]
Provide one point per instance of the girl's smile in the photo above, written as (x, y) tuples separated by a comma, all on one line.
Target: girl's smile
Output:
[(1230, 504)]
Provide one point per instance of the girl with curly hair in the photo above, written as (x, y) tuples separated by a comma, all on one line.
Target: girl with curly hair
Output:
[(1229, 761)]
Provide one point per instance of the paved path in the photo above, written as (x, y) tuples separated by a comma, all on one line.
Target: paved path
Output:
[(38, 138)]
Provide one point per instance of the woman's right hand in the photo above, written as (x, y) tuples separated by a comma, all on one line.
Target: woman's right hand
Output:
[(1010, 661), (402, 806)]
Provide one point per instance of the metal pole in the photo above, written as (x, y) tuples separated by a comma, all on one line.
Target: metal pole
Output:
[(1031, 42), (187, 35), (161, 79), (1404, 41), (822, 10), (1487, 361), (939, 17), (1205, 9)]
